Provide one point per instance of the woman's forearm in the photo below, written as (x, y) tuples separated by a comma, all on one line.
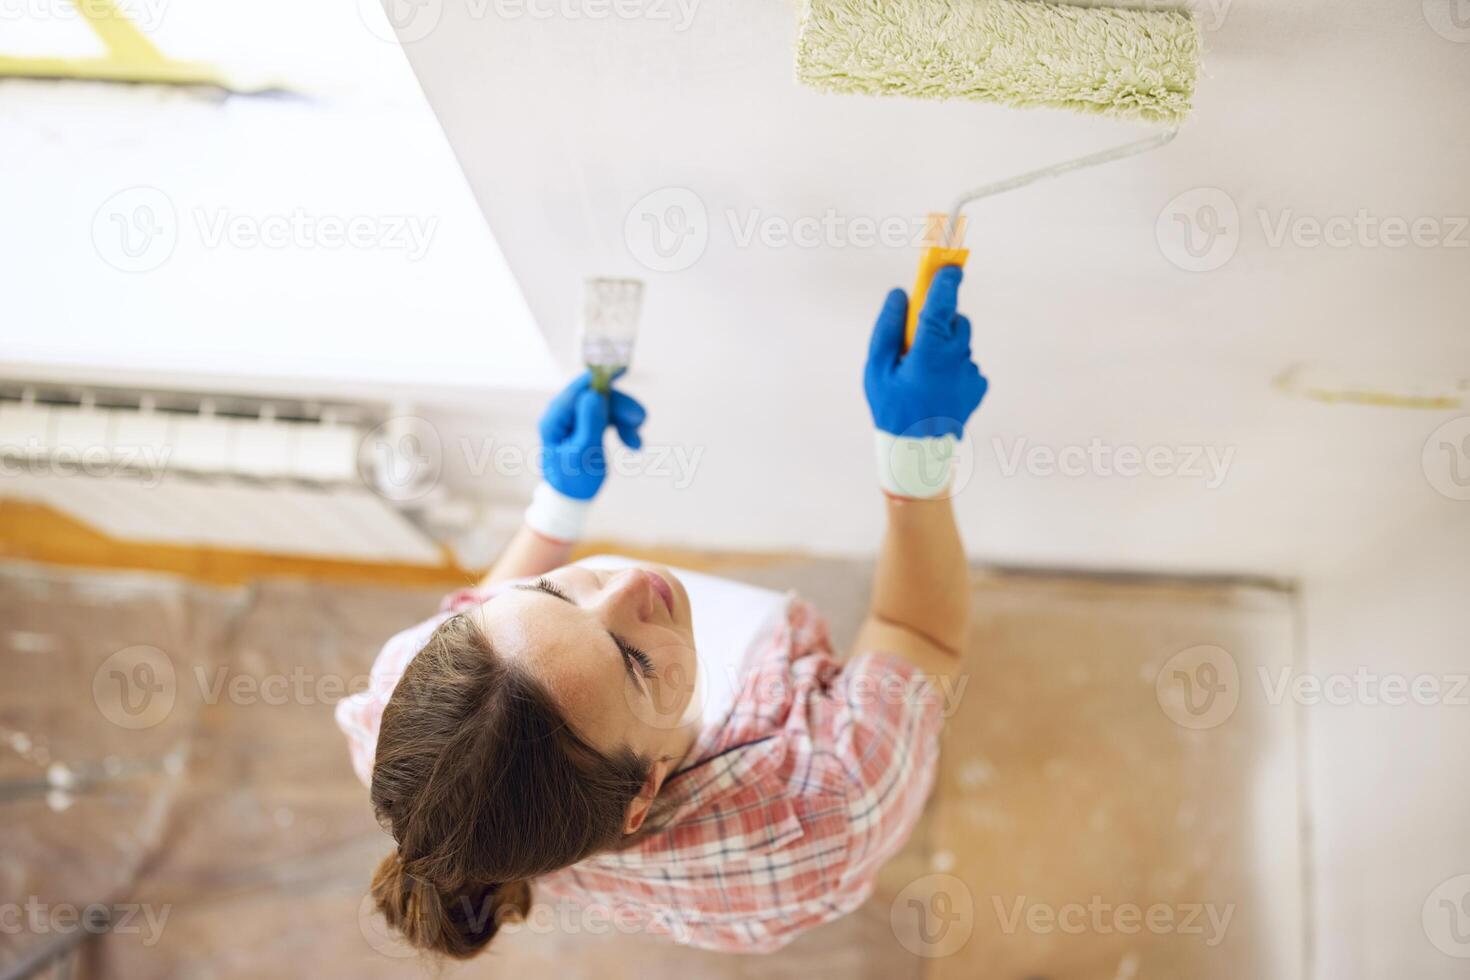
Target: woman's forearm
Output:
[(922, 581), (527, 554)]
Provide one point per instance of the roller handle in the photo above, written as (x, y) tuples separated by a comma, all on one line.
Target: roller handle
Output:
[(931, 260)]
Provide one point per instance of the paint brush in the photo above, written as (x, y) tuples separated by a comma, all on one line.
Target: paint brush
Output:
[(609, 325)]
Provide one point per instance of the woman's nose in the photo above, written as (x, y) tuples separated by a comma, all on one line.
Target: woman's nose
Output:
[(628, 594)]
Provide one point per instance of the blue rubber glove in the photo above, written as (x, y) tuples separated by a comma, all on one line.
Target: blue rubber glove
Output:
[(573, 460), (934, 388)]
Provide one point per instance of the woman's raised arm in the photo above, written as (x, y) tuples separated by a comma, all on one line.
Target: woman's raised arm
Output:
[(920, 401)]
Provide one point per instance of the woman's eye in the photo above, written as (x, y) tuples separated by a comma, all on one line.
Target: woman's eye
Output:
[(637, 656), (548, 586)]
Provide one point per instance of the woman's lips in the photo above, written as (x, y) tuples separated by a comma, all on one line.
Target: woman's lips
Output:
[(665, 592)]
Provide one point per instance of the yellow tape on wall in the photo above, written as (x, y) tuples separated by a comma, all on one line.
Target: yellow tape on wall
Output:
[(130, 57)]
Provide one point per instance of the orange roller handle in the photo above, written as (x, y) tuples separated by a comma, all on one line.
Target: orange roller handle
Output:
[(931, 261)]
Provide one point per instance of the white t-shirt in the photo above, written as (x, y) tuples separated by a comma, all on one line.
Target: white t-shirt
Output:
[(729, 618)]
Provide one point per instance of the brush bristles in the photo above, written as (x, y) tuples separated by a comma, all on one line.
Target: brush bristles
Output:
[(1138, 64)]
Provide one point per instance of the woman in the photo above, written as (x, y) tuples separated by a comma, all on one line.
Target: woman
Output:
[(664, 751)]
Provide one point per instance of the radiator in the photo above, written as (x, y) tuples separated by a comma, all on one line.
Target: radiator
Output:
[(278, 476)]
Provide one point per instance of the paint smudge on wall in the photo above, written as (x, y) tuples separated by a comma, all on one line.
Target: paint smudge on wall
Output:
[(1331, 386)]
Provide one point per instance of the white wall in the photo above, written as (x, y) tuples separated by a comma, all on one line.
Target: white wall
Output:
[(1390, 784)]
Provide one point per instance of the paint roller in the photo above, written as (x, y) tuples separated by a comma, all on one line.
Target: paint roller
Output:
[(1135, 64)]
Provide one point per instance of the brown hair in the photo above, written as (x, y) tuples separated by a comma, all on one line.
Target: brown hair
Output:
[(484, 784)]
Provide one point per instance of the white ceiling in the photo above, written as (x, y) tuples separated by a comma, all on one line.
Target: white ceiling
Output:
[(1085, 326), (163, 236)]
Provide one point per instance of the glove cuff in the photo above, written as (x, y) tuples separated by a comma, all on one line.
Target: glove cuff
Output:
[(920, 468), (554, 515)]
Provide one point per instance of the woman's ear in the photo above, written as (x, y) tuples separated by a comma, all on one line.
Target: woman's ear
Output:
[(642, 804)]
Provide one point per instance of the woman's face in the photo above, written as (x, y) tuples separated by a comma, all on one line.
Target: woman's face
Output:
[(614, 647)]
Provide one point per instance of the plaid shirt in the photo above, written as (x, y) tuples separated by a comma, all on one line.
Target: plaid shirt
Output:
[(814, 779)]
